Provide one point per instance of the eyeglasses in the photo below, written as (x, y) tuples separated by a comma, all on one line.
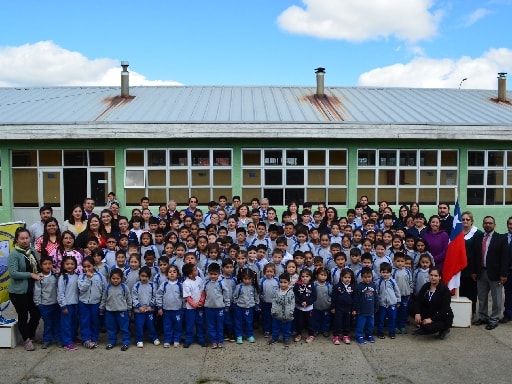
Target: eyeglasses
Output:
[(466, 219), (488, 223)]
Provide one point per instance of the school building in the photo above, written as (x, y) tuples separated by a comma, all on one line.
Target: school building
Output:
[(316, 144)]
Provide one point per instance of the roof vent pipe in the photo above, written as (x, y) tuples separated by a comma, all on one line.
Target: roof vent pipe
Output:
[(320, 81), (125, 80), (502, 86)]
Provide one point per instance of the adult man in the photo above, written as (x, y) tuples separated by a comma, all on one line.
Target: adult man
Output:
[(172, 210), (490, 269), (37, 229), (192, 205), (363, 200), (88, 207), (144, 204), (443, 211), (507, 313), (264, 206)]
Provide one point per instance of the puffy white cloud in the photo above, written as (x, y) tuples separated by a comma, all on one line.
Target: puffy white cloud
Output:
[(359, 20), (476, 15), (45, 63), (424, 72)]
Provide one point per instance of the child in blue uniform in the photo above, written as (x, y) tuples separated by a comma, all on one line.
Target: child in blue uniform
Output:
[(143, 301)]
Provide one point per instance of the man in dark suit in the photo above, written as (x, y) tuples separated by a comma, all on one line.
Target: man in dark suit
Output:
[(490, 270), (507, 313)]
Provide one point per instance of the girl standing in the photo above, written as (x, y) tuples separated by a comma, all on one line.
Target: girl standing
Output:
[(343, 305), (169, 301), (146, 242), (246, 300), (67, 296), (143, 300), (305, 296)]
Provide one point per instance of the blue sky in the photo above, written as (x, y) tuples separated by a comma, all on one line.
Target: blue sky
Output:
[(417, 43)]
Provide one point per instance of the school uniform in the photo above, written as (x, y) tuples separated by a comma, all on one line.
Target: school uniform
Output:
[(389, 297), (90, 295), (169, 298), (45, 298), (143, 296), (267, 289), (116, 304), (194, 317), (217, 299), (321, 307), (67, 297)]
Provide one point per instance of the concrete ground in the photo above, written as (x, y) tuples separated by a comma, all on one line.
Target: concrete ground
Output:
[(468, 355)]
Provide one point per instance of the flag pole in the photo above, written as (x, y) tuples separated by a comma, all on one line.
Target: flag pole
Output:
[(456, 296)]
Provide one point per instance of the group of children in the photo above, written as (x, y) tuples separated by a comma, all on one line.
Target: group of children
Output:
[(208, 287)]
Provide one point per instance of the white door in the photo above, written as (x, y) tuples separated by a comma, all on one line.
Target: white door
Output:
[(100, 184)]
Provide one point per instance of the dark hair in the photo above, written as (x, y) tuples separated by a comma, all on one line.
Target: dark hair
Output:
[(366, 271), (284, 276), (163, 259), (187, 269), (350, 272), (145, 269), (175, 267), (45, 258), (97, 252), (248, 273), (385, 267), (71, 217), (66, 258), (227, 261), (46, 236), (116, 271), (88, 259), (214, 268)]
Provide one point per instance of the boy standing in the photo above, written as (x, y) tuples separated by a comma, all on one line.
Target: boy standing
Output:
[(367, 305), (283, 306), (389, 301)]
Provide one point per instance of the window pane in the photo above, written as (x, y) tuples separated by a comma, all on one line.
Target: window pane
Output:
[(475, 196), (24, 158), (200, 177), (447, 195), (387, 177), (134, 158), (370, 192), (51, 188), (156, 177), (388, 194), (316, 157), (251, 177), (249, 193), (448, 177), (494, 196), (273, 177), (294, 194), (316, 177), (428, 158), (157, 196), (203, 195), (275, 196), (221, 177), (408, 158), (222, 158), (495, 158), (134, 178), (387, 158), (178, 177), (338, 176), (338, 157), (251, 157), (476, 158), (50, 158), (133, 196), (105, 158), (222, 192), (295, 177), (337, 196), (494, 177), (181, 195), (509, 178), (75, 158), (273, 157), (408, 177), (475, 177), (178, 158), (509, 158), (21, 195), (366, 177), (201, 158), (449, 158), (294, 157), (156, 158), (428, 177), (406, 195), (508, 196), (427, 196), (365, 158), (316, 195)]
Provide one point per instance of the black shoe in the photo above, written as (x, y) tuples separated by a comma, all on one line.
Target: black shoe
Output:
[(109, 346), (186, 345), (124, 347), (418, 332), (504, 320), (271, 341), (480, 322), (491, 326), (442, 335)]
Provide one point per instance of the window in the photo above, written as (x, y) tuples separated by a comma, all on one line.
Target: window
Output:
[(163, 174), (407, 175), (489, 177), (283, 175)]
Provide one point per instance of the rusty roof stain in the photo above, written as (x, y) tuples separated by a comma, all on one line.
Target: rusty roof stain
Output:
[(112, 103), (329, 106)]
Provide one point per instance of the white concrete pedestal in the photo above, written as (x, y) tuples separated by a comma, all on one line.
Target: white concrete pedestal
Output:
[(461, 308)]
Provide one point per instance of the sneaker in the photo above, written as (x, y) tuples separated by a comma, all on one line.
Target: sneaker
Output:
[(442, 335), (176, 344), (361, 340), (251, 339), (186, 345), (29, 346), (266, 335), (327, 334), (336, 340), (239, 340), (70, 347), (167, 345), (404, 331), (45, 345), (94, 345), (297, 338), (109, 347), (371, 339), (140, 344), (310, 339), (124, 347), (220, 345), (392, 336), (156, 342), (286, 343), (381, 336), (398, 331), (271, 341), (214, 346), (87, 344), (346, 339)]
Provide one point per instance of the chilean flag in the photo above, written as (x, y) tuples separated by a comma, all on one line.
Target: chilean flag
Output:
[(456, 259)]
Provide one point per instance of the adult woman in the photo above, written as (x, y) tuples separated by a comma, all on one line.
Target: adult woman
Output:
[(331, 217), (107, 221), (75, 223), (93, 229), (433, 312), (403, 212), (437, 240), (415, 209), (242, 216), (293, 208), (467, 284), (23, 270), (49, 240), (114, 208)]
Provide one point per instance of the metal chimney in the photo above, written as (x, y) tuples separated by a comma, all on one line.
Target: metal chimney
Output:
[(502, 86), (320, 81), (125, 80)]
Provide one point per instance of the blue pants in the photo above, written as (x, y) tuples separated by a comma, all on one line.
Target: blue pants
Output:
[(243, 321), (215, 324), (321, 320), (69, 324), (402, 312), (173, 325), (507, 313), (194, 318), (145, 319), (266, 318), (389, 313), (89, 321), (284, 327), (116, 321), (51, 323), (229, 323), (364, 323), (341, 324)]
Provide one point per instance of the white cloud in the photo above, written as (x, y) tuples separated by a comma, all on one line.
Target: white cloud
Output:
[(360, 20), (478, 14), (424, 72), (46, 64)]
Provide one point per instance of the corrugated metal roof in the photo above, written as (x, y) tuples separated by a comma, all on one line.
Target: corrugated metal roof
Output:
[(68, 105)]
